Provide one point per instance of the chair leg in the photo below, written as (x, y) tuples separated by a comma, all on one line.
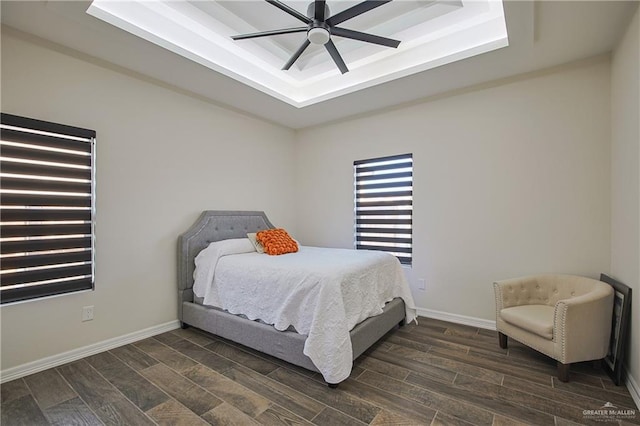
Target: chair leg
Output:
[(563, 372), (502, 339)]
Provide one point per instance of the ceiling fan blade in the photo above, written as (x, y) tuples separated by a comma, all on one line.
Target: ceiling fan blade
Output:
[(369, 38), (296, 55), (354, 11), (331, 48), (270, 33), (319, 13), (290, 11)]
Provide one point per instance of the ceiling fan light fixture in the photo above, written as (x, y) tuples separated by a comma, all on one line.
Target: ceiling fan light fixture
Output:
[(318, 36), (320, 26)]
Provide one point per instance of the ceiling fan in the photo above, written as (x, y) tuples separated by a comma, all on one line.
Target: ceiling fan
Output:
[(320, 26)]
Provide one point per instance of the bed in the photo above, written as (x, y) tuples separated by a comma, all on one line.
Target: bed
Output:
[(287, 345)]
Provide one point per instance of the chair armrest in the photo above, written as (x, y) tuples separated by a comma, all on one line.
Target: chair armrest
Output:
[(582, 325)]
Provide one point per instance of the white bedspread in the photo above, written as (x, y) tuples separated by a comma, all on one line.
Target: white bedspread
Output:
[(322, 293)]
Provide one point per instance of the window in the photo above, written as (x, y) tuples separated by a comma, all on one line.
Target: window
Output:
[(384, 205), (47, 207)]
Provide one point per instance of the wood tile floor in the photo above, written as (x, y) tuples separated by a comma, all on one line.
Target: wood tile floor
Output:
[(434, 373)]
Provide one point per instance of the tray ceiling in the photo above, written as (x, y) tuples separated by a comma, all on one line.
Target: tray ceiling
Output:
[(432, 33)]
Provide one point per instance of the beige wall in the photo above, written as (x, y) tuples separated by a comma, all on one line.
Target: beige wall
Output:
[(162, 158), (625, 176), (509, 180)]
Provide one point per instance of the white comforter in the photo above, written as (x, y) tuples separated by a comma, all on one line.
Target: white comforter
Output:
[(322, 293)]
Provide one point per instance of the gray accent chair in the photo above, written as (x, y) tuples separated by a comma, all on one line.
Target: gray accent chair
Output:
[(566, 317)]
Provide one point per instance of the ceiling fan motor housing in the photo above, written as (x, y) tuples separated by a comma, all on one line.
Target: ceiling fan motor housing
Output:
[(318, 31), (311, 10), (318, 35)]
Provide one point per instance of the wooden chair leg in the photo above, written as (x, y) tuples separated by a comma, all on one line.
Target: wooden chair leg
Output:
[(563, 372), (502, 339)]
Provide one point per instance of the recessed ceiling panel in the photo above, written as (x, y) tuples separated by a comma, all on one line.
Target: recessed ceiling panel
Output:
[(431, 34)]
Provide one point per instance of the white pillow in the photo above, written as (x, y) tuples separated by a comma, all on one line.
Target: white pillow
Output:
[(254, 240), (233, 246), (207, 260)]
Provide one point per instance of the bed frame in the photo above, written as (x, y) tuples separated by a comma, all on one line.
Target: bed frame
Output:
[(286, 345)]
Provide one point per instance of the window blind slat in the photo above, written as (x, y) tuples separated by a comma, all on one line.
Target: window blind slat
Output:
[(367, 178), (46, 126), (11, 135), (35, 230), (370, 186), (19, 294), (390, 194), (43, 275), (383, 221), (384, 248), (406, 231), (25, 246), (384, 204), (383, 167), (44, 259), (361, 212), (398, 240), (25, 153), (359, 163), (44, 185), (10, 199), (13, 215), (44, 170)]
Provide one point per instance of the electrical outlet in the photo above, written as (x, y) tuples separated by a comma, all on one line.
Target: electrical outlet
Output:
[(422, 284), (87, 313)]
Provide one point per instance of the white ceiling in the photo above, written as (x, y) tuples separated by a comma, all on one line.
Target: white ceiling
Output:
[(432, 33), (541, 34)]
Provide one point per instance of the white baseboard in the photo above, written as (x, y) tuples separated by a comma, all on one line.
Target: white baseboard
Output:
[(634, 389), (458, 319), (75, 354)]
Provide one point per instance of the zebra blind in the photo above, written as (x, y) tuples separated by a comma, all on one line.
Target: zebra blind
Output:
[(46, 208), (384, 205)]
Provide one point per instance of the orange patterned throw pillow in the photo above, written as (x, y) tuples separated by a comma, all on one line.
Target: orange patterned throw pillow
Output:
[(276, 241)]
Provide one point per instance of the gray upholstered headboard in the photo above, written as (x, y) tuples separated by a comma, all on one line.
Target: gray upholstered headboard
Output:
[(212, 225)]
